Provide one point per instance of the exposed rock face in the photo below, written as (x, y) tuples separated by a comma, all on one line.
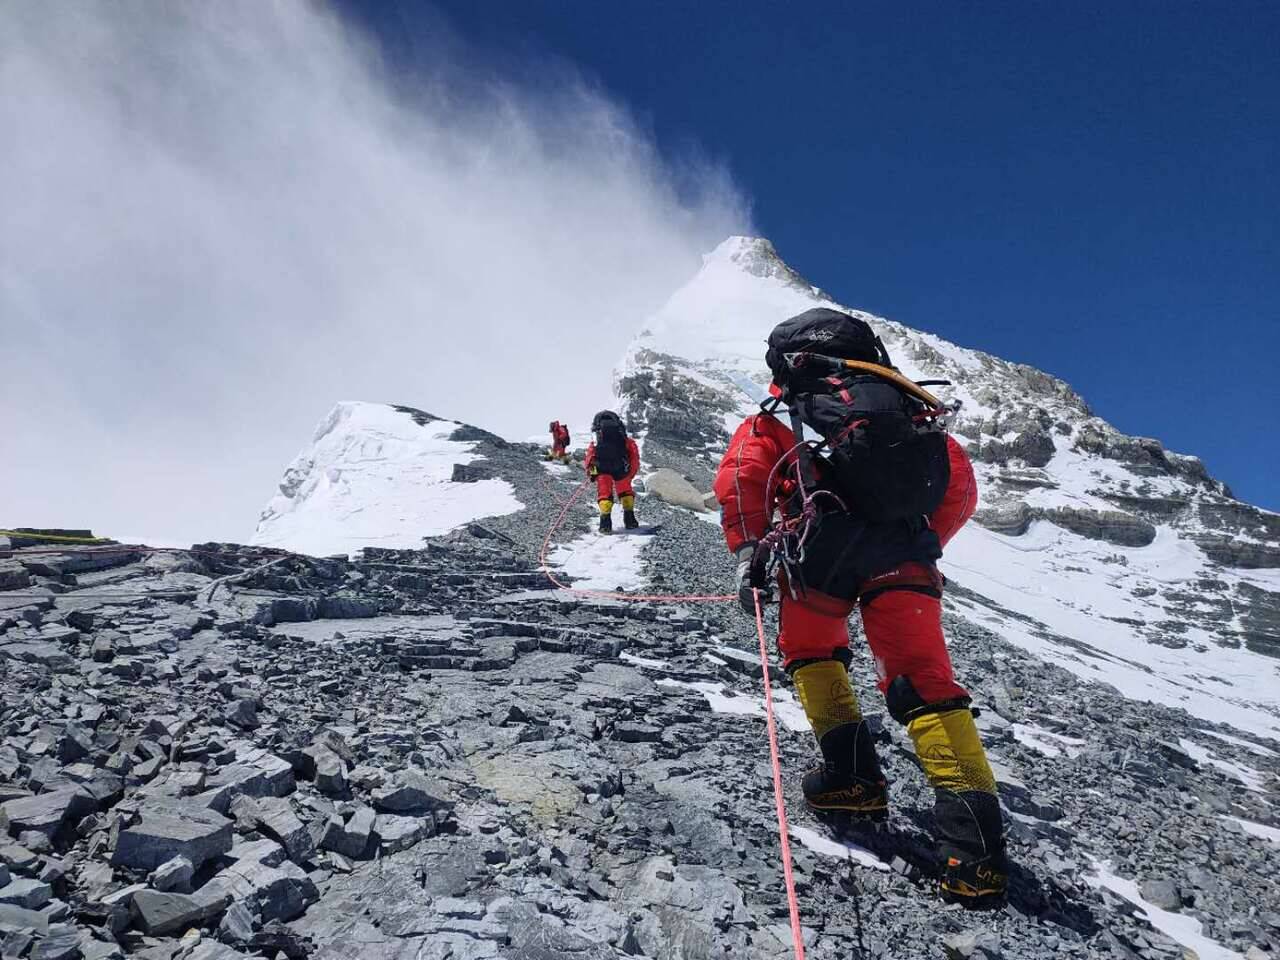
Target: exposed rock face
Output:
[(1109, 526), (1013, 519), (672, 407), (1238, 553), (1260, 611), (756, 257), (1142, 455), (1240, 518), (1023, 436)]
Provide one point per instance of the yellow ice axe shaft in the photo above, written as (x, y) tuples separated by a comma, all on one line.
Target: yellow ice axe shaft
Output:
[(893, 376)]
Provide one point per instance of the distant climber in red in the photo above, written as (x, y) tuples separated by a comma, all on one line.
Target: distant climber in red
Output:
[(612, 460), (559, 442)]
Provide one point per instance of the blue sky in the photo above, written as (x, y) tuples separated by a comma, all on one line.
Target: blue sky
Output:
[(1088, 188)]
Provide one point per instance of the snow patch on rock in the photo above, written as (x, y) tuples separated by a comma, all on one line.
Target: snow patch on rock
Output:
[(376, 475), (1182, 929)]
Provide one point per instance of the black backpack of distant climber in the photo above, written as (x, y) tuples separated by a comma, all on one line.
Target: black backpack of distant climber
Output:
[(611, 444), (884, 458)]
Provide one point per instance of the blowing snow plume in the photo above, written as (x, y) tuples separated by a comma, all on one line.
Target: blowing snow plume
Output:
[(220, 219)]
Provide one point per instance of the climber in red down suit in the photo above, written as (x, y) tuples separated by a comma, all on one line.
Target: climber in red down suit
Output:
[(612, 460), (559, 442), (886, 568)]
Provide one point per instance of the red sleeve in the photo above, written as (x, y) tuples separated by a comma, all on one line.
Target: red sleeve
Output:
[(589, 460), (961, 498), (633, 458), (755, 449)]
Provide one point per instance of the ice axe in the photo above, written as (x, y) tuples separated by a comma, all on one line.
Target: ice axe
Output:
[(825, 364)]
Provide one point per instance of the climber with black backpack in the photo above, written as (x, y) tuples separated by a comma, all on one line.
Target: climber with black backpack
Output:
[(846, 505), (612, 461)]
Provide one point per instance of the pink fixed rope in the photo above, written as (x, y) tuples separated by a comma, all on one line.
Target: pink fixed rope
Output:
[(797, 937), (793, 905)]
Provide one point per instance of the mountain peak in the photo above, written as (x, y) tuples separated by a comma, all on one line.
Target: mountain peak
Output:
[(757, 257)]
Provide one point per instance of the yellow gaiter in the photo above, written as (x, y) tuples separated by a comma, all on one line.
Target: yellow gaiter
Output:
[(824, 692), (949, 750)]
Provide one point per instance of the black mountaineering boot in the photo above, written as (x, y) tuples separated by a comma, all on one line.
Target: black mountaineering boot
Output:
[(975, 871), (849, 780), (606, 523), (629, 519), (975, 882)]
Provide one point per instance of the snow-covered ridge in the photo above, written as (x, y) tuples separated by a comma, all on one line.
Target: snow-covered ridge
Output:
[(377, 475), (1109, 554)]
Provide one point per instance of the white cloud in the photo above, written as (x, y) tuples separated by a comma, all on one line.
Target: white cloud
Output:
[(218, 219)]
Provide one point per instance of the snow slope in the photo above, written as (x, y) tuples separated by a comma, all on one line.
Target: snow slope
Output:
[(1107, 554), (598, 562), (377, 475)]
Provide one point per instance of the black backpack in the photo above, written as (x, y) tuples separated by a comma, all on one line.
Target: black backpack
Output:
[(611, 444), (884, 454)]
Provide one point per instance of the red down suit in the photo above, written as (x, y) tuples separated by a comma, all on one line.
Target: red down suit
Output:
[(886, 569), (617, 485)]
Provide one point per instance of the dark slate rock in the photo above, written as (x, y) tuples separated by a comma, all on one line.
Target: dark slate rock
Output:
[(395, 833), (62, 942), (237, 924), (259, 851), (20, 918), (47, 813), (354, 838), (26, 892), (160, 913), (275, 817), (242, 714), (292, 610), (413, 792), (328, 770), (271, 893), (166, 831), (15, 943), (266, 776), (1162, 892), (345, 608), (212, 950), (629, 732), (173, 876), (46, 654)]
